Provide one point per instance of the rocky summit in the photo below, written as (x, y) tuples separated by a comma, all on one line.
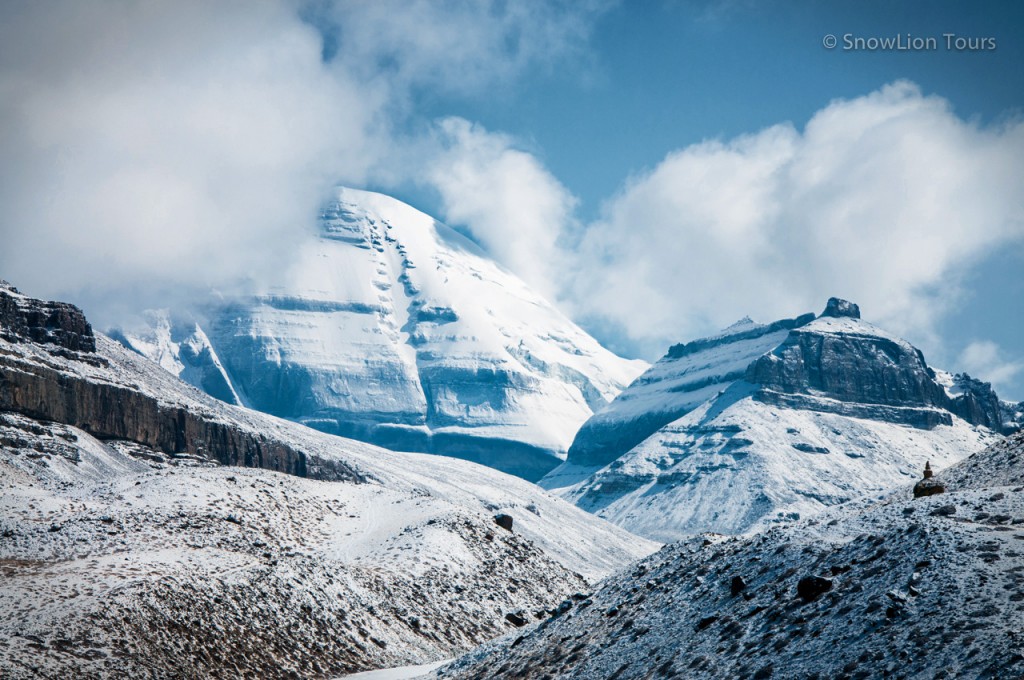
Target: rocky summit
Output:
[(769, 422), (53, 323)]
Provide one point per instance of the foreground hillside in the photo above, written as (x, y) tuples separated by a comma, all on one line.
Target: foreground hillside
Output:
[(885, 587), (133, 545), (394, 329), (767, 423)]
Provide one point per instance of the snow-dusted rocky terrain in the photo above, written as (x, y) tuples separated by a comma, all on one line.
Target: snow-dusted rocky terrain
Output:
[(889, 586), (394, 329), (127, 551), (766, 423)]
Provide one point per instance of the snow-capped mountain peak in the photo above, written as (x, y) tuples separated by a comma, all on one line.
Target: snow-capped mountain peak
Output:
[(769, 422), (395, 329)]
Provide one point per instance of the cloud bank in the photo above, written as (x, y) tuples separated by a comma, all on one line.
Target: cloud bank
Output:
[(987, 360), (885, 199), (513, 206), (146, 148), (154, 150)]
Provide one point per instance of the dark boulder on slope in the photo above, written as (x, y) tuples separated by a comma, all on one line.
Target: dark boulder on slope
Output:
[(810, 588)]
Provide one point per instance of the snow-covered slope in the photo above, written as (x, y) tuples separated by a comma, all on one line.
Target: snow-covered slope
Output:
[(394, 329), (769, 423), (882, 587), (124, 553), (687, 376)]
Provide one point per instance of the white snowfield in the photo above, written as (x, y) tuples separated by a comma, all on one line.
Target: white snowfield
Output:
[(569, 534), (732, 464), (395, 329), (315, 577)]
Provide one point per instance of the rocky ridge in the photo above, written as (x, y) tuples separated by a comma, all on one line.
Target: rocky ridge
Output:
[(130, 550), (53, 323), (767, 423), (889, 586), (94, 389)]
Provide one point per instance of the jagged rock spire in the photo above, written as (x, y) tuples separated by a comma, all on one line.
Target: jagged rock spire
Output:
[(839, 307)]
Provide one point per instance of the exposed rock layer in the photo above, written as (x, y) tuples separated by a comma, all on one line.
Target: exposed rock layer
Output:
[(40, 388), (54, 323)]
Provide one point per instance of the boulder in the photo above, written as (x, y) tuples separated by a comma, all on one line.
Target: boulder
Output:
[(517, 619), (810, 588), (928, 487), (504, 521)]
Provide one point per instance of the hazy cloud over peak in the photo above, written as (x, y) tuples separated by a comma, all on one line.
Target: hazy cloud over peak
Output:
[(157, 149), (513, 206)]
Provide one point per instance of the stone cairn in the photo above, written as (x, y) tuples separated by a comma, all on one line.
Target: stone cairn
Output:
[(928, 486)]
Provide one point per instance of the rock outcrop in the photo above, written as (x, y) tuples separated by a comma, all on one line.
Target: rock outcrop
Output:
[(51, 369), (853, 369), (837, 307), (882, 587), (827, 362), (52, 323)]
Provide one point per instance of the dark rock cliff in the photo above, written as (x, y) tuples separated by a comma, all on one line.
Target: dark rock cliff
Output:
[(38, 384), (850, 368), (978, 403), (869, 376), (54, 323)]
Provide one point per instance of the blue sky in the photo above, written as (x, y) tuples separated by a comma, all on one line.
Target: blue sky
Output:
[(659, 169), (655, 77)]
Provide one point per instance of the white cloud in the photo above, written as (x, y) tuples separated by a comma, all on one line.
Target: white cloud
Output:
[(511, 204), (885, 199), (986, 360), (457, 46), (152, 148)]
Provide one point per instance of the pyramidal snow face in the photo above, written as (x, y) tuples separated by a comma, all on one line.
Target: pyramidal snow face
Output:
[(770, 422), (395, 329)]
